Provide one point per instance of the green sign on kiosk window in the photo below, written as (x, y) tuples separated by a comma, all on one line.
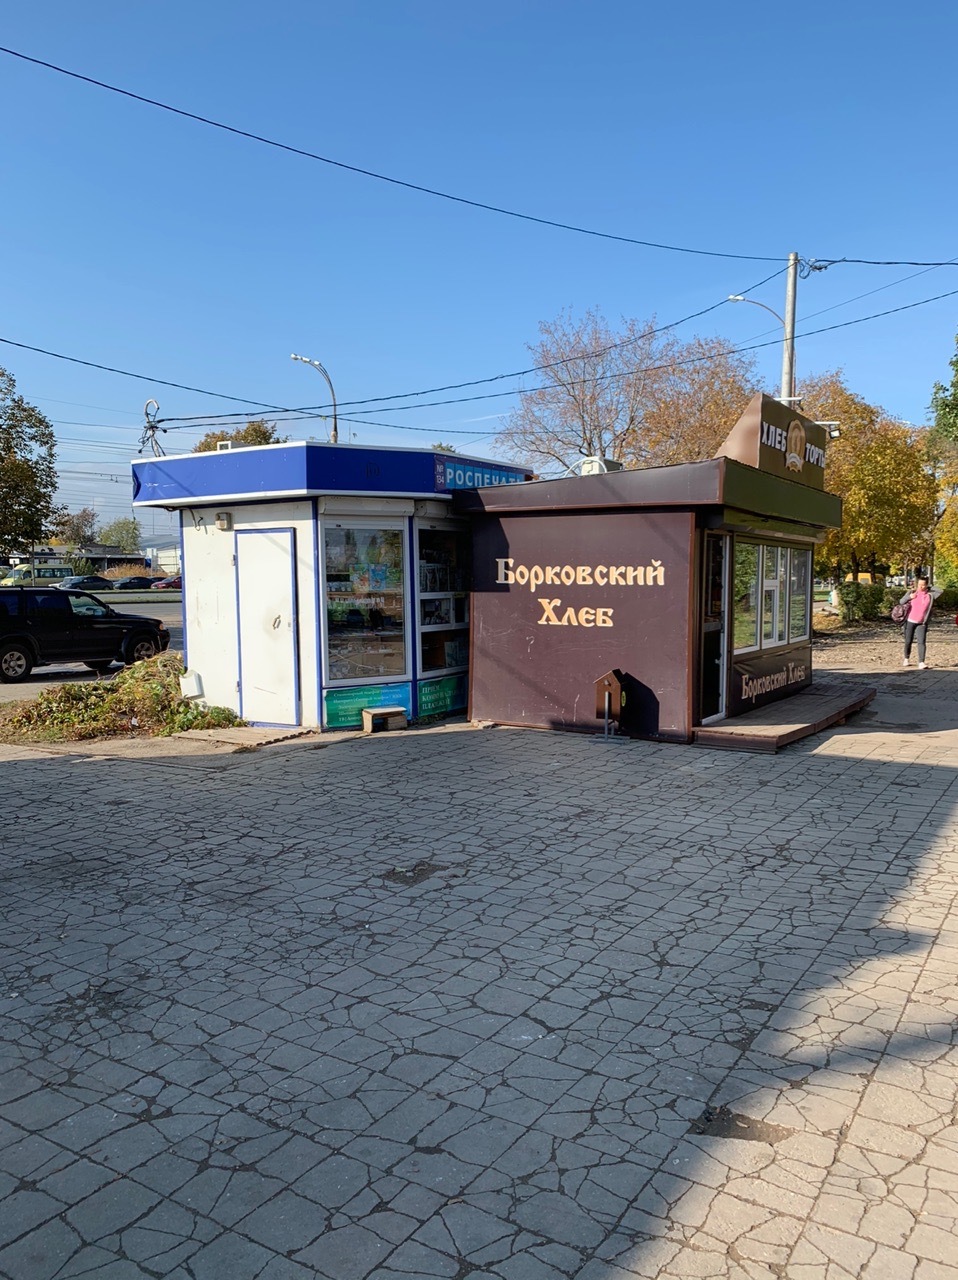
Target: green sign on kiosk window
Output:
[(438, 697), (344, 707)]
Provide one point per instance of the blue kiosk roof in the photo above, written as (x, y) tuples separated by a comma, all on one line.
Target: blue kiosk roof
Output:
[(306, 468)]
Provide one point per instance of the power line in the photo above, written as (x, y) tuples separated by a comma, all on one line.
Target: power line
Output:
[(141, 377), (822, 264), (488, 395), (674, 364), (369, 173), (882, 287), (493, 395), (496, 377), (315, 410)]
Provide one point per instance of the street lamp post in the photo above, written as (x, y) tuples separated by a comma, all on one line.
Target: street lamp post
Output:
[(334, 434), (787, 393)]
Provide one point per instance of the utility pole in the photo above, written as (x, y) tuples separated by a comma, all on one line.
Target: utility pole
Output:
[(787, 394)]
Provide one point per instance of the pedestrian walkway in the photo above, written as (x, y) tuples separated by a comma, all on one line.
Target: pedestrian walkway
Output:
[(488, 1003)]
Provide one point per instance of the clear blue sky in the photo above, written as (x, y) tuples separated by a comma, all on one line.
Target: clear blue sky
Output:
[(136, 239)]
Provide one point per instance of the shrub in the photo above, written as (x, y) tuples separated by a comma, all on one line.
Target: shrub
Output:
[(126, 571), (872, 601), (948, 600), (890, 598), (141, 699), (861, 601), (851, 596)]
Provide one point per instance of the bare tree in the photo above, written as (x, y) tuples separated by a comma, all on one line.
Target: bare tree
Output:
[(636, 396)]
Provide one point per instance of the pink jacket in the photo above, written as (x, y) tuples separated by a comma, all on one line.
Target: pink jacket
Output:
[(933, 594)]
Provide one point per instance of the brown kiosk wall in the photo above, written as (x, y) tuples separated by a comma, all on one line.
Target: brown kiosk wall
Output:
[(539, 646)]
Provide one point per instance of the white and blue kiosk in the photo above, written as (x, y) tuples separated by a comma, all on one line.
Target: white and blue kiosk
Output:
[(322, 580)]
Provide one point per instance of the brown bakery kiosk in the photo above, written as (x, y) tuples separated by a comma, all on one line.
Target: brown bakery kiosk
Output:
[(690, 586)]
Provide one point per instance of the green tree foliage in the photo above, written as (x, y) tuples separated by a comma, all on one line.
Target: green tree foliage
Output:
[(123, 533), (944, 403), (28, 477), (878, 468), (638, 397), (76, 528), (257, 431)]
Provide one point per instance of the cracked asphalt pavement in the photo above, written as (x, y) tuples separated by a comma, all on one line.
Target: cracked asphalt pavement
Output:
[(485, 1003)]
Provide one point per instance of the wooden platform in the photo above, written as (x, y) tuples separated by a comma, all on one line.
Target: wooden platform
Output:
[(824, 703)]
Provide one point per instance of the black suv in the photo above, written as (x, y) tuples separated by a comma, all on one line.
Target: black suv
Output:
[(40, 625)]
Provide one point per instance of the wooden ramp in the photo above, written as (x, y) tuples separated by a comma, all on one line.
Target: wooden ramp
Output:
[(768, 728)]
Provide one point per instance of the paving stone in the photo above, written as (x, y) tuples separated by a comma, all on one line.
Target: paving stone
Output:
[(41, 1253), (110, 1209), (231, 1257), (348, 1254), (286, 1223), (24, 1210)]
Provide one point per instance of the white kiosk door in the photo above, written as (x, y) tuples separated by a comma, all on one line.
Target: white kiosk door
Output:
[(267, 625)]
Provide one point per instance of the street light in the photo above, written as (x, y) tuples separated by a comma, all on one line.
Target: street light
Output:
[(334, 434), (738, 297), (787, 322), (787, 399)]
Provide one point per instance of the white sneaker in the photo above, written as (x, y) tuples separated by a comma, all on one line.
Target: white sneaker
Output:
[(906, 663), (921, 666)]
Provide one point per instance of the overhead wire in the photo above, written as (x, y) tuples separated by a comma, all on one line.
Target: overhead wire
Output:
[(317, 410), (672, 364), (370, 173), (496, 377), (195, 422), (125, 373), (313, 411), (812, 264)]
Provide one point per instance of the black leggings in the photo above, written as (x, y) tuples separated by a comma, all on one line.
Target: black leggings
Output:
[(915, 631)]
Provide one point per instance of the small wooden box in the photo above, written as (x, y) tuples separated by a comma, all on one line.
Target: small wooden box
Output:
[(381, 719)]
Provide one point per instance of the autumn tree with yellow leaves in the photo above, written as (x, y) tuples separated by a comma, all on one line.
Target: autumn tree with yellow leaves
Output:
[(942, 452), (879, 468)]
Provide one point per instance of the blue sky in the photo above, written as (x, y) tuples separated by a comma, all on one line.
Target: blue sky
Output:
[(150, 243)]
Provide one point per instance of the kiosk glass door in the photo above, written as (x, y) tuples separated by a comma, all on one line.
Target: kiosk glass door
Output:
[(713, 647)]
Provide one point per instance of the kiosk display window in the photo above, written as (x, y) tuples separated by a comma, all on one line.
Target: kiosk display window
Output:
[(365, 603), (443, 600), (748, 559), (798, 597), (771, 600)]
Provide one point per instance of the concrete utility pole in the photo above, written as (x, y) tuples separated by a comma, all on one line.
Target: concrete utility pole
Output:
[(787, 394)]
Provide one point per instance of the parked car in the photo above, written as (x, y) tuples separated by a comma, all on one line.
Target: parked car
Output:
[(40, 625), (88, 582), (169, 584), (134, 584)]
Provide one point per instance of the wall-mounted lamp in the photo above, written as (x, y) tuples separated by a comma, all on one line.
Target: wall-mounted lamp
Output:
[(833, 428), (223, 521)]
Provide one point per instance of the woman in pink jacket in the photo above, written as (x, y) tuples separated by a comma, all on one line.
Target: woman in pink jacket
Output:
[(919, 604)]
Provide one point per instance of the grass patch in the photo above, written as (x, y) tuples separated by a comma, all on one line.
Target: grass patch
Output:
[(141, 700)]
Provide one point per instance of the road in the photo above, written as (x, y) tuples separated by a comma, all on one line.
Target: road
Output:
[(168, 611)]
